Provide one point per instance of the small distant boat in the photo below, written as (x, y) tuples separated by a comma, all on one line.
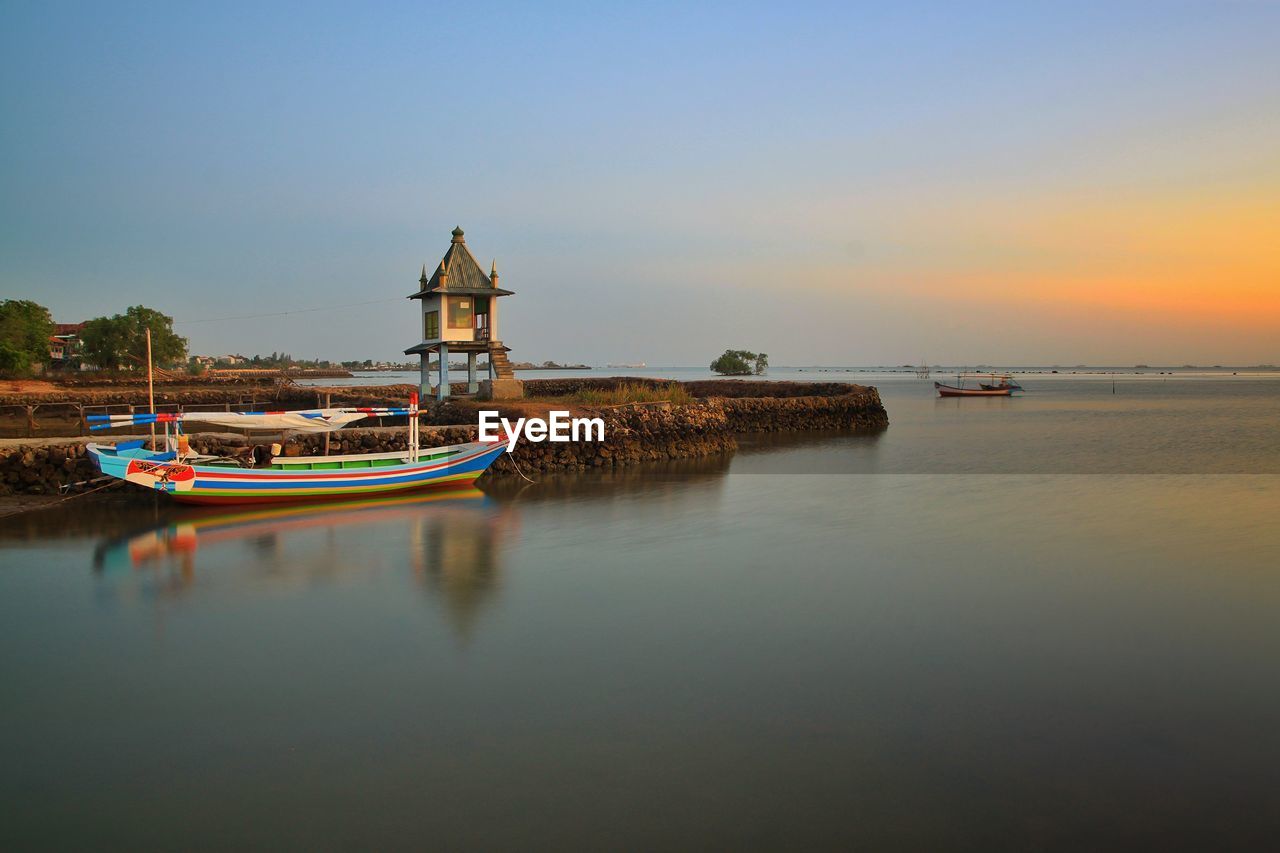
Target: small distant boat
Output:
[(995, 385), (999, 381), (953, 391)]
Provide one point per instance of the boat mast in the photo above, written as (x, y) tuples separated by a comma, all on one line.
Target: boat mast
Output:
[(413, 426), (151, 391), (328, 401)]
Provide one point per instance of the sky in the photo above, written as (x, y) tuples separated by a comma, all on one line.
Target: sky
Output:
[(842, 184)]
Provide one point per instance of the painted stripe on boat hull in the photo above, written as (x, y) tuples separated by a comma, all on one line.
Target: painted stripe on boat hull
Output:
[(217, 497)]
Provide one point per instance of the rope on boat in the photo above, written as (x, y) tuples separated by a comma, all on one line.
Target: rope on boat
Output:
[(512, 457), (21, 510), (66, 487)]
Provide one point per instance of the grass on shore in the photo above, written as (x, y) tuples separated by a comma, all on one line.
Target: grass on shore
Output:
[(633, 392)]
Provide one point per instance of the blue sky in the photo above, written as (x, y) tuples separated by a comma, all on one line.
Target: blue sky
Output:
[(844, 184)]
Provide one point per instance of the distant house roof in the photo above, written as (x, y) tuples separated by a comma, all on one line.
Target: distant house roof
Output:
[(67, 328), (463, 273)]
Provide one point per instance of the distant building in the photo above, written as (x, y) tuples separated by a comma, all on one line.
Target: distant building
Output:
[(64, 345), (459, 315)]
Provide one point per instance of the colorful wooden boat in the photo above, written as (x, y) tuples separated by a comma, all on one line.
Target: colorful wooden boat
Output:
[(298, 478), (190, 478), (953, 391)]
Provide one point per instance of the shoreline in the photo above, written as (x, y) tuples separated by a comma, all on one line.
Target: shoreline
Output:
[(634, 432)]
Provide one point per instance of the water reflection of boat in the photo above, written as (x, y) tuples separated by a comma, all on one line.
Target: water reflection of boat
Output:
[(450, 542), (185, 533)]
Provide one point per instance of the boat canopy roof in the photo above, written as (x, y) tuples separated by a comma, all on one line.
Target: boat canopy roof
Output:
[(310, 420), (319, 421)]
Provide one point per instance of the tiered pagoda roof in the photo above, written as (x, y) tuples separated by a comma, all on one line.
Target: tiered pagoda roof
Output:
[(461, 273)]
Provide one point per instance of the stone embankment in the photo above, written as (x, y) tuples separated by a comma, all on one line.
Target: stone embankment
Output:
[(43, 469), (861, 410), (633, 433)]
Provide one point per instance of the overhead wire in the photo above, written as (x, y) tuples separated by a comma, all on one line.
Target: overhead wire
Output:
[(284, 313)]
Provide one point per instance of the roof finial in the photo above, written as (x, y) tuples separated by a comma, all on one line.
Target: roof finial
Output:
[(493, 268), (424, 274), (457, 234)]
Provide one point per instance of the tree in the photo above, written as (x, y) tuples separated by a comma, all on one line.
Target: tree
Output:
[(25, 328), (740, 362), (110, 342), (167, 346), (103, 341), (13, 361)]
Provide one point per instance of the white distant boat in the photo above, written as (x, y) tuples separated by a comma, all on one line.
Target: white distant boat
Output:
[(633, 365)]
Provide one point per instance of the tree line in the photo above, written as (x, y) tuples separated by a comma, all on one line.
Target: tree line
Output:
[(118, 342)]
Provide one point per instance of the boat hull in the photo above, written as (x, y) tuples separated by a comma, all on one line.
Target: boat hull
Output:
[(223, 485), (952, 391)]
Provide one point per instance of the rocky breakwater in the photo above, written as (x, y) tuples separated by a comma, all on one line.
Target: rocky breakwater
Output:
[(27, 469), (756, 405), (636, 433), (860, 409)]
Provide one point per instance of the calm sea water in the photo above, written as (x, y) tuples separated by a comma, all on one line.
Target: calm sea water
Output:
[(1044, 622)]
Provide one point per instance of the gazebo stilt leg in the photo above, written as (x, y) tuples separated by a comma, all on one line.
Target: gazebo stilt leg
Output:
[(444, 372)]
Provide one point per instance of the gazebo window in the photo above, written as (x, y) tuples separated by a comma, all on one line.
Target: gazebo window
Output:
[(431, 324), (460, 313)]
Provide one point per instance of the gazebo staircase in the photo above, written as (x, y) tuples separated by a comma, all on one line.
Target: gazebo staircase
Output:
[(498, 358)]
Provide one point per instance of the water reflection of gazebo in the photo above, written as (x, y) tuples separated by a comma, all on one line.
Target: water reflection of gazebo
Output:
[(458, 560)]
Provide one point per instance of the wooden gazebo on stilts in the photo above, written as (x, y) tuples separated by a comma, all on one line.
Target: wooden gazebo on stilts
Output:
[(459, 315)]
